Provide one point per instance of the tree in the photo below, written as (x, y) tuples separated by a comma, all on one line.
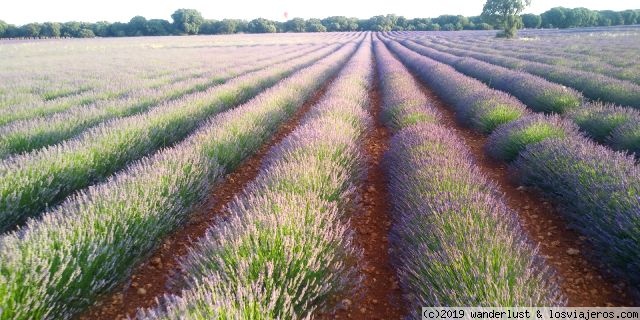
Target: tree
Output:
[(315, 25), (118, 29), (554, 18), (51, 30), (458, 22), (101, 29), (449, 27), (630, 17), (340, 23), (71, 29), (579, 17), (187, 21), (228, 26), (262, 25), (208, 27), (295, 25), (531, 21), (159, 27), (3, 28), (31, 30), (137, 27), (610, 18), (86, 33), (381, 23), (505, 13)]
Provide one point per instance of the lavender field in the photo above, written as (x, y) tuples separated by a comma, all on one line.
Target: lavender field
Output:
[(348, 175)]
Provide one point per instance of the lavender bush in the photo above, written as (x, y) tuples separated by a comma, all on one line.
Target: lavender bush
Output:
[(599, 190), (55, 267), (626, 138), (598, 120), (404, 104), (482, 108), (27, 135), (454, 240), (592, 85), (506, 142), (30, 183), (615, 126), (538, 94), (286, 249)]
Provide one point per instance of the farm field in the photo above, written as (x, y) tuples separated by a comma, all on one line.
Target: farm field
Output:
[(348, 175)]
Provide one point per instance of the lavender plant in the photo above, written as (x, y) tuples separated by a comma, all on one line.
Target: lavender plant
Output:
[(598, 120), (30, 183), (57, 266), (23, 136), (506, 142), (454, 240), (538, 94), (286, 249), (477, 105), (592, 85), (626, 138), (404, 104), (599, 190)]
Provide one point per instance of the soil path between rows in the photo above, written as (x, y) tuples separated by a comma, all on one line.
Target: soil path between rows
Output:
[(152, 279), (380, 296), (583, 283)]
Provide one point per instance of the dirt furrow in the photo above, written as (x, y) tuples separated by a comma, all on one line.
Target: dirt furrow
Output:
[(380, 296), (151, 280), (584, 283)]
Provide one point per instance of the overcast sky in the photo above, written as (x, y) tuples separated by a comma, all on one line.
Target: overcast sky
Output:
[(24, 11)]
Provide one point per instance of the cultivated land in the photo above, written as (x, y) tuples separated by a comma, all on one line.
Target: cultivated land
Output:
[(328, 175)]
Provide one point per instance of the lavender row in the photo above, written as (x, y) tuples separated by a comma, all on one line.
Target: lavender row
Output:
[(454, 241), (46, 71), (285, 250), (598, 189), (91, 88), (477, 105), (615, 126), (35, 133), (404, 103), (592, 85), (31, 182), (553, 53), (57, 266), (99, 93), (575, 51), (538, 94)]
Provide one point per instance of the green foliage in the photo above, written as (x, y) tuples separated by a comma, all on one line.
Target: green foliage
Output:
[(505, 13), (315, 25), (3, 28), (531, 21), (295, 25), (261, 25), (187, 21), (138, 27), (31, 30)]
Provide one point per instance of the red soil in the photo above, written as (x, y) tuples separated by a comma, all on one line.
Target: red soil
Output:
[(151, 280), (380, 296), (583, 283)]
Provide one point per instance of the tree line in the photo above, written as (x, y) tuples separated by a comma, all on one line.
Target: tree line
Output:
[(190, 21)]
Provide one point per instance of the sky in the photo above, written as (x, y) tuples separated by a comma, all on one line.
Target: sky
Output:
[(24, 11)]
